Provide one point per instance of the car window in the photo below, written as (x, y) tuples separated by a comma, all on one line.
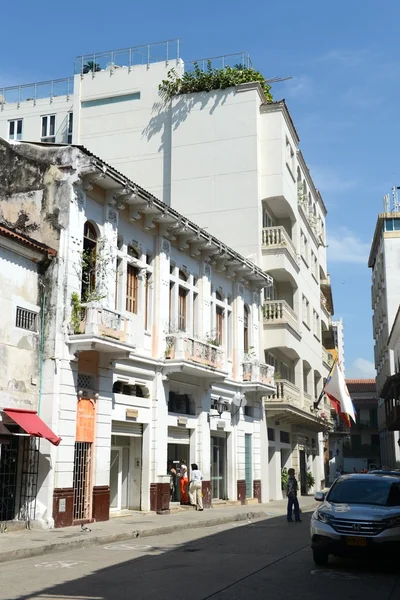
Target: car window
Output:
[(379, 491)]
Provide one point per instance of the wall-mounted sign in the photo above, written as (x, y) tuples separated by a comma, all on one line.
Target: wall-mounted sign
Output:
[(182, 421), (85, 420), (221, 425), (132, 413), (62, 505)]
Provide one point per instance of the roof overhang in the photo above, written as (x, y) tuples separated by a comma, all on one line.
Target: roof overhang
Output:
[(287, 413), (84, 342), (193, 369)]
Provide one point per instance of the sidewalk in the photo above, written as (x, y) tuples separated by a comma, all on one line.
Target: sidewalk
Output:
[(26, 543)]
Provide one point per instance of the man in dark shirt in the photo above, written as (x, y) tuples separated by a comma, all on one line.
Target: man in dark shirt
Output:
[(291, 493)]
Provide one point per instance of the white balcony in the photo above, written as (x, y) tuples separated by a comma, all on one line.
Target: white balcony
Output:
[(102, 329), (278, 312), (258, 376), (286, 406), (327, 357), (186, 354), (281, 253)]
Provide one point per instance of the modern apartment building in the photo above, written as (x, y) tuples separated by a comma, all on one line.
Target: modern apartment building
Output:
[(230, 161), (384, 261), (150, 344)]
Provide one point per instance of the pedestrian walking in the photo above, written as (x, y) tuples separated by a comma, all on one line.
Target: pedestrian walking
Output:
[(291, 493), (195, 493), (184, 482), (172, 480)]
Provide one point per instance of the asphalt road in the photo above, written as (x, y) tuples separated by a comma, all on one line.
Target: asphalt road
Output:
[(263, 560)]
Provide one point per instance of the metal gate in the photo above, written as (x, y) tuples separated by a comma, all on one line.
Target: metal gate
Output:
[(248, 457), (8, 479), (29, 479), (82, 480)]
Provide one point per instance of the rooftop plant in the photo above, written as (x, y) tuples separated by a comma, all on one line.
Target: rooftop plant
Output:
[(211, 79)]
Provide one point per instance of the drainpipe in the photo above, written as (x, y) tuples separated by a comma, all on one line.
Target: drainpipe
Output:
[(41, 350)]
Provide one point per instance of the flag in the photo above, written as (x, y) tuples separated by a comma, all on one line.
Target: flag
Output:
[(316, 404), (338, 393)]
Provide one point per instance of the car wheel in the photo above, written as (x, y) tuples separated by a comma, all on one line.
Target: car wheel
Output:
[(320, 557)]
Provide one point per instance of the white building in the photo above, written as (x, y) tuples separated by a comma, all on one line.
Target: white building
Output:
[(384, 261), (230, 161), (23, 267), (152, 325)]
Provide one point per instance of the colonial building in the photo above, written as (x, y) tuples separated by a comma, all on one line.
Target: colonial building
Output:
[(230, 161), (152, 336)]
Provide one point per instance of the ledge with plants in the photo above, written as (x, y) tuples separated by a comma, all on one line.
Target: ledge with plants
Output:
[(211, 79)]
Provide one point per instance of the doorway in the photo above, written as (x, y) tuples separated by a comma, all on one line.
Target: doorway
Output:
[(248, 467), (303, 473), (119, 477), (176, 453), (218, 468)]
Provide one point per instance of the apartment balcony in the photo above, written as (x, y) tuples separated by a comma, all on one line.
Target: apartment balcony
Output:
[(102, 329), (281, 326), (327, 358), (258, 376), (326, 290), (186, 354), (280, 253), (286, 406)]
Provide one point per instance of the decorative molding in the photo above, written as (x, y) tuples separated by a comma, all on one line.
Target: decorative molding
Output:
[(112, 216), (166, 246), (207, 270), (80, 198)]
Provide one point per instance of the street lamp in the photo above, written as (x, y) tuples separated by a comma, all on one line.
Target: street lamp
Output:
[(220, 406)]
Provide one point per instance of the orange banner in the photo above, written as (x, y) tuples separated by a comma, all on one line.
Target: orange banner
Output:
[(85, 420)]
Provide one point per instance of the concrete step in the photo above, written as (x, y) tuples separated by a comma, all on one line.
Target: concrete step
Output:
[(252, 501)]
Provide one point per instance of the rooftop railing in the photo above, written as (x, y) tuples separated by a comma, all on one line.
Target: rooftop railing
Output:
[(128, 57), (220, 62), (37, 91)]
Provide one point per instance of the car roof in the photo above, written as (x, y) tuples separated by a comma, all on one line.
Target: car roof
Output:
[(385, 472), (371, 476)]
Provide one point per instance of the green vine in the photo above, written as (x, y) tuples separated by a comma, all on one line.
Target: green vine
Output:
[(310, 480), (211, 79), (76, 312)]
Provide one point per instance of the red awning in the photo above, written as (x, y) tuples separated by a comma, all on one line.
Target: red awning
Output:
[(29, 421)]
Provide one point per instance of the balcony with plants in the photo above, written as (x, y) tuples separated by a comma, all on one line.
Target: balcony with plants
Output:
[(188, 354)]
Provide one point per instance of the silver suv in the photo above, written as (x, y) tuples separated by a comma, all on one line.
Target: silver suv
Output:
[(360, 514)]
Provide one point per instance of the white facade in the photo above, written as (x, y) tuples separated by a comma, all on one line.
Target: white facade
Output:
[(231, 162), (385, 292), (171, 327)]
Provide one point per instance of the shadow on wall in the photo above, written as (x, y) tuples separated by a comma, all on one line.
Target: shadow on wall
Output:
[(167, 117)]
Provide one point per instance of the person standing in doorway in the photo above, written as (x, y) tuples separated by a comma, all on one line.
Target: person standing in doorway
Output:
[(195, 493), (291, 493), (184, 482)]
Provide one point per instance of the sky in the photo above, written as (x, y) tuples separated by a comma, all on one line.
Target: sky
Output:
[(345, 63)]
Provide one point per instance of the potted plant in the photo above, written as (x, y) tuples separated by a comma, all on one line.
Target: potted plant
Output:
[(310, 481)]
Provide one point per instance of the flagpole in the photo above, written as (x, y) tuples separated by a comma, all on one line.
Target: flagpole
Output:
[(317, 403)]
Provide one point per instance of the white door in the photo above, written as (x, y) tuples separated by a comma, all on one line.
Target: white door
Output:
[(115, 478)]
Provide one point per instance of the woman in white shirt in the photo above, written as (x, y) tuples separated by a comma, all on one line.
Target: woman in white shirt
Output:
[(195, 494)]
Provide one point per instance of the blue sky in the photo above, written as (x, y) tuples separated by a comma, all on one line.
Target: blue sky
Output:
[(344, 59)]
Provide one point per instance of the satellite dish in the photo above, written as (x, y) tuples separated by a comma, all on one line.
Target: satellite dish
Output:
[(239, 399)]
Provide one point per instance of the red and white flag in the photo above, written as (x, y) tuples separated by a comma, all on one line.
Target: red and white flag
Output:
[(336, 389)]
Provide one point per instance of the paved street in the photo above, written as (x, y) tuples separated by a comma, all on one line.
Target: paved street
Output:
[(268, 559)]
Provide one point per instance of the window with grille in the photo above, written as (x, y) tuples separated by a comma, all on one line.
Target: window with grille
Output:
[(132, 289), (48, 128), (85, 382), (26, 319), (82, 480)]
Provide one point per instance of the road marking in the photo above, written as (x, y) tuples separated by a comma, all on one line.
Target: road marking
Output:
[(59, 564), (334, 574), (126, 547)]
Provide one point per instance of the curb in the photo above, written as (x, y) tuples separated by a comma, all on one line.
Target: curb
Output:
[(22, 553)]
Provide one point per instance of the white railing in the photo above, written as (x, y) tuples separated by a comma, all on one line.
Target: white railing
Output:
[(279, 311), (285, 392), (256, 372), (128, 57), (278, 237), (181, 346), (220, 62), (327, 357), (31, 92), (97, 320)]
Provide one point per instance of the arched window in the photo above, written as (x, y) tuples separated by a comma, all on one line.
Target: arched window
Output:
[(88, 261), (246, 328)]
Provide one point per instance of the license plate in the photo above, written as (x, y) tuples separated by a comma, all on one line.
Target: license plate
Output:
[(356, 541)]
